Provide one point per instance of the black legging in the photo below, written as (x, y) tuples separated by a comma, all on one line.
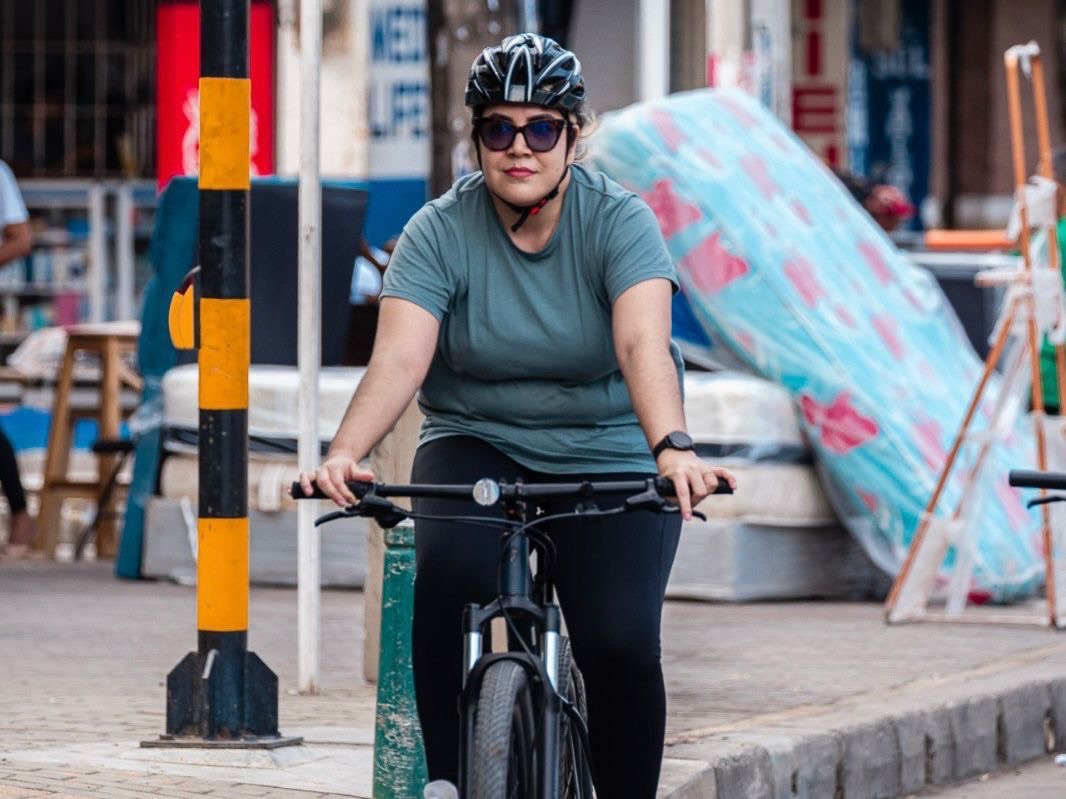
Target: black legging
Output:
[(9, 477), (610, 577)]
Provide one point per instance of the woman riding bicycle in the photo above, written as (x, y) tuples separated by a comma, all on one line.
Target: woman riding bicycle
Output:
[(530, 308)]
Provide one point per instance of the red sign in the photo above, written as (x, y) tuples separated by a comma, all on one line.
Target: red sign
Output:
[(177, 89), (816, 111)]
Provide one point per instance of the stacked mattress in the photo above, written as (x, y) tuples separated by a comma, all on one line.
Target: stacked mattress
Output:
[(273, 414), (776, 537)]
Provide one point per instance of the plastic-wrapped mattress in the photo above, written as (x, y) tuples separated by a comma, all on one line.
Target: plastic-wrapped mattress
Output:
[(778, 536), (750, 425), (273, 399), (273, 418), (781, 267)]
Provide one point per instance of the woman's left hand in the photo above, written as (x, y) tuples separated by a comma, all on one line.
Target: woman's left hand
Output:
[(693, 478)]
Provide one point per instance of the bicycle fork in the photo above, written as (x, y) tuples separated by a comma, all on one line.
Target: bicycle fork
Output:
[(543, 672)]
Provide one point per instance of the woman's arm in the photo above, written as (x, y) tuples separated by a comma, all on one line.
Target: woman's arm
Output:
[(15, 242), (404, 344), (641, 328)]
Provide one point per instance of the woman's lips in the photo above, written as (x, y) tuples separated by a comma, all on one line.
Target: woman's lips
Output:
[(519, 172)]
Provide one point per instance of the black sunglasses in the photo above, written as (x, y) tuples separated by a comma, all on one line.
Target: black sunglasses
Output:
[(541, 135)]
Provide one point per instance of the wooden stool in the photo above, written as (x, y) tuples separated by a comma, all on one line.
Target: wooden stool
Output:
[(110, 342)]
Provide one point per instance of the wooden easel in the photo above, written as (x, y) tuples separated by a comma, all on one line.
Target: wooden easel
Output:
[(909, 597)]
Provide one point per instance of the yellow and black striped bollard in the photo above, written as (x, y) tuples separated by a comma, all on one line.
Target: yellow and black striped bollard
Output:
[(222, 694)]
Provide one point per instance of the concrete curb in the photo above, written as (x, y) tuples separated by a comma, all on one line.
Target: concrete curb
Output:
[(880, 745)]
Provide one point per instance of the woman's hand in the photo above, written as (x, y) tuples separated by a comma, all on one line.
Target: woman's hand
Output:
[(333, 475), (693, 478)]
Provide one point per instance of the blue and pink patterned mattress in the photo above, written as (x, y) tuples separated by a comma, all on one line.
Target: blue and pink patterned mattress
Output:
[(781, 269)]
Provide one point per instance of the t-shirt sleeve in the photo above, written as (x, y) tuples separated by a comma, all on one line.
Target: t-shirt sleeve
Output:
[(12, 208), (634, 250), (416, 270)]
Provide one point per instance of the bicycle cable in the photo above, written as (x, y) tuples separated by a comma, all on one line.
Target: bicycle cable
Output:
[(529, 527)]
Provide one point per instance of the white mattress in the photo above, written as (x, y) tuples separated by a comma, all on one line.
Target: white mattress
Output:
[(773, 494), (730, 560), (735, 408), (273, 399), (269, 478), (776, 494), (721, 408)]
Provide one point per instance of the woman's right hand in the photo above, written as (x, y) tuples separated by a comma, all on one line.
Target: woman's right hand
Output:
[(333, 475)]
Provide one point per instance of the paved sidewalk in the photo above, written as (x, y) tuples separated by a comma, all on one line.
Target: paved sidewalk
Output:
[(766, 700)]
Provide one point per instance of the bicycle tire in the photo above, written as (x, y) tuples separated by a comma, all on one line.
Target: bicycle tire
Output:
[(575, 781), (504, 735)]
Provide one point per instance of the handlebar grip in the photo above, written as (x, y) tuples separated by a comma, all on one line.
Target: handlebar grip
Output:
[(358, 488), (665, 486), (1024, 478)]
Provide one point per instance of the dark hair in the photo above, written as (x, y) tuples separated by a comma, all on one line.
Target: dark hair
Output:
[(858, 187)]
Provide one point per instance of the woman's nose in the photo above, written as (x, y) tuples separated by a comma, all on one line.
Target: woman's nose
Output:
[(519, 145)]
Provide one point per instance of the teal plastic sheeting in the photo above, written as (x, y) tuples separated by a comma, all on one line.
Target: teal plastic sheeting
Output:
[(173, 254)]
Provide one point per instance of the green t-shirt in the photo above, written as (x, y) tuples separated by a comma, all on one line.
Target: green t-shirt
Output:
[(525, 358)]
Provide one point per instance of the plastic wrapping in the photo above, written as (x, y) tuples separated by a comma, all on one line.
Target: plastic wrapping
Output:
[(273, 418), (273, 399), (742, 415), (780, 264), (40, 354)]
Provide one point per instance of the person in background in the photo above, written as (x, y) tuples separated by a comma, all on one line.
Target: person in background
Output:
[(366, 276), (15, 242), (370, 265), (888, 206)]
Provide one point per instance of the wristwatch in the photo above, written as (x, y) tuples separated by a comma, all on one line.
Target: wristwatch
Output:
[(678, 439)]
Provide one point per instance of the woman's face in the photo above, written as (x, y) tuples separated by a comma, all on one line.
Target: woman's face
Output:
[(518, 173)]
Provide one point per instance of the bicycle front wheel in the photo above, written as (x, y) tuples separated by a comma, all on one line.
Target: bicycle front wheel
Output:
[(575, 778), (504, 735)]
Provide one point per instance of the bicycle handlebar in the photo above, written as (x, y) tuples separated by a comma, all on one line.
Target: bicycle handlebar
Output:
[(1023, 478), (507, 491)]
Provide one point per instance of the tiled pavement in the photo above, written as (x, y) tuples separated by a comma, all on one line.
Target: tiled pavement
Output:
[(84, 657)]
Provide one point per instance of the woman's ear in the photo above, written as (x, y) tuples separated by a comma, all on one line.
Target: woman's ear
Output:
[(573, 136)]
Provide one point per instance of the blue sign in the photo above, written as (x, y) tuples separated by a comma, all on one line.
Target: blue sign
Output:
[(889, 108)]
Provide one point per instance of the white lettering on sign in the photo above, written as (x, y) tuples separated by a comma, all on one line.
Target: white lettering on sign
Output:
[(399, 109), (399, 34), (399, 112), (905, 63)]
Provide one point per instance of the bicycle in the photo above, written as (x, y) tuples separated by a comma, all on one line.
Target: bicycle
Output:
[(1024, 478), (523, 731)]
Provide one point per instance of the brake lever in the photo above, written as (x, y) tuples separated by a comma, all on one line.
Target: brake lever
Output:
[(1045, 500), (385, 513), (654, 501), (351, 510)]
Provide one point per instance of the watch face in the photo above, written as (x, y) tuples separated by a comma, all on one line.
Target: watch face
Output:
[(680, 440)]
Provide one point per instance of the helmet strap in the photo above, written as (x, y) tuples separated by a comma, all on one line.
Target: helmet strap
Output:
[(526, 211)]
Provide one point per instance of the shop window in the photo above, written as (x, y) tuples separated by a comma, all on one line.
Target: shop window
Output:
[(77, 97)]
